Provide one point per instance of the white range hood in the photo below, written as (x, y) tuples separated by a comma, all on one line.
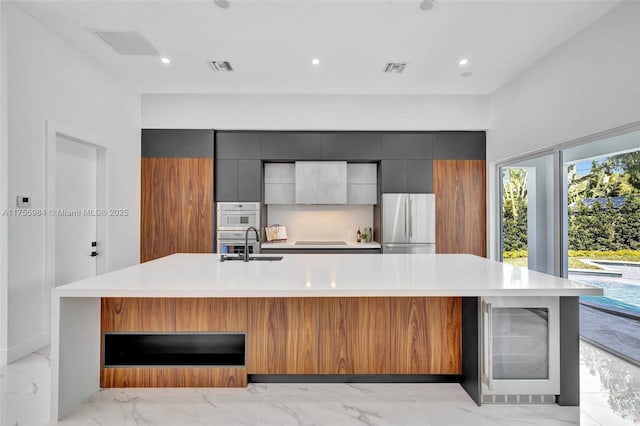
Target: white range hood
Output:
[(321, 182)]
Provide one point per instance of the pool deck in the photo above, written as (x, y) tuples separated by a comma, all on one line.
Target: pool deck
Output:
[(611, 332), (609, 327)]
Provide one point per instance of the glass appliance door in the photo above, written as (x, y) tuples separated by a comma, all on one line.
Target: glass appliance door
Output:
[(521, 347), (520, 343)]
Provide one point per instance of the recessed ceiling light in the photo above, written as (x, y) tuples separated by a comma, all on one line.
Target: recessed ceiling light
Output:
[(466, 74), (165, 60), (426, 4), (464, 61), (315, 61)]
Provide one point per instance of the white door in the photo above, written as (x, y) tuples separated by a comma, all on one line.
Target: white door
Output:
[(76, 203)]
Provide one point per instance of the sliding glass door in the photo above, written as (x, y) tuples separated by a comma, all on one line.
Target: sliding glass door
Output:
[(601, 194)]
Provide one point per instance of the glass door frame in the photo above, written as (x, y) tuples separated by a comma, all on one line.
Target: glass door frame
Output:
[(558, 242), (560, 189)]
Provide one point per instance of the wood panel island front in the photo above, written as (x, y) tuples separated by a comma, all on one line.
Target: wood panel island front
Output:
[(189, 320)]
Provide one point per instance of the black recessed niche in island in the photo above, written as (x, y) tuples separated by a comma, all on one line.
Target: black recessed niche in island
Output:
[(132, 349)]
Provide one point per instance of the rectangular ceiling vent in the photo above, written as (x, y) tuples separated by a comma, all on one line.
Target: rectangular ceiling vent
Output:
[(222, 66), (395, 67), (127, 42)]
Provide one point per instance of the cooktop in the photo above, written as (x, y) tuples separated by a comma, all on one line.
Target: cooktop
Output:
[(321, 243)]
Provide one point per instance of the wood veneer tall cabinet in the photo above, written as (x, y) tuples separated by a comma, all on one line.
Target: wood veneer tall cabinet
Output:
[(459, 183), (176, 213), (460, 187)]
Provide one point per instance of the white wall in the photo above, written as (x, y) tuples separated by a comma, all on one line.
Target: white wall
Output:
[(315, 222), (3, 186), (51, 81), (588, 85), (316, 112)]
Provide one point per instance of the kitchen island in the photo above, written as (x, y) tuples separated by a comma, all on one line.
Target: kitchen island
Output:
[(306, 317)]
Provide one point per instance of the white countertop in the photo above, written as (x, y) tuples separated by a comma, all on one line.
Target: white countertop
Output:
[(324, 275), (349, 245)]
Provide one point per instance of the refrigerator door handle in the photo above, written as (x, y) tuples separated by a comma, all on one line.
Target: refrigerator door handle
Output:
[(408, 248), (410, 218), (406, 216)]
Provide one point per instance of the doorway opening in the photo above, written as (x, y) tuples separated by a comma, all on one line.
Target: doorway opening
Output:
[(76, 205), (527, 220)]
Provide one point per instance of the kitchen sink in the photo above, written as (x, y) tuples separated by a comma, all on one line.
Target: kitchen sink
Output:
[(224, 258), (269, 258)]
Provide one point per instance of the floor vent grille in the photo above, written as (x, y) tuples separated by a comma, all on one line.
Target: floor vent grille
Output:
[(519, 399)]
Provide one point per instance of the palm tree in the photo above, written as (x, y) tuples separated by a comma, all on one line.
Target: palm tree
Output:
[(514, 191)]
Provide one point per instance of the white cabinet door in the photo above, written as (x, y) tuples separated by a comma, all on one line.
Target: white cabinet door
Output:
[(321, 182), (362, 173), (279, 173), (362, 193), (279, 183), (362, 183)]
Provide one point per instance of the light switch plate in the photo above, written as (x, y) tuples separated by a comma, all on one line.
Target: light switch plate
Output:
[(23, 201)]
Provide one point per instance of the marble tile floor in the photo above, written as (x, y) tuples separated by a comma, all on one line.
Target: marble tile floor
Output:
[(610, 396)]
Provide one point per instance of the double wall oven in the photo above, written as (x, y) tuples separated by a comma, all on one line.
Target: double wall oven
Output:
[(233, 221)]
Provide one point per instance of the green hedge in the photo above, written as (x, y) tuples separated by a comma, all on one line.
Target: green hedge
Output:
[(594, 228), (514, 254), (629, 255), (605, 228)]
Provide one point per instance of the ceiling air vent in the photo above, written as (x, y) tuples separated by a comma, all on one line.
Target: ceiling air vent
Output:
[(221, 66), (127, 42), (395, 67)]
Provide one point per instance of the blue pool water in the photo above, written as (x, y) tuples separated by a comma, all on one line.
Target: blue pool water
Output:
[(617, 295)]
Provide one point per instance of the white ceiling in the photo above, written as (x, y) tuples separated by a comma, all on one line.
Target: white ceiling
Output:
[(271, 43)]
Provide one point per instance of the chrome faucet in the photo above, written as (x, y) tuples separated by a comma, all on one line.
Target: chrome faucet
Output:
[(246, 242)]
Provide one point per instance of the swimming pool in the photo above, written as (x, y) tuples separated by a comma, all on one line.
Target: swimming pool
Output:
[(617, 295)]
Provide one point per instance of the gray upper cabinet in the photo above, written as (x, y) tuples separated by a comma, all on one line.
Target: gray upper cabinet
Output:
[(238, 180), (237, 145), (238, 166), (407, 176), (351, 146), (406, 162), (407, 146), (249, 180), (226, 181), (419, 176), (177, 143), (459, 146), (394, 176), (291, 146)]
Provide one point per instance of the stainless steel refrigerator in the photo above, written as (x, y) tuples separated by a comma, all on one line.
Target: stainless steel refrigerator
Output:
[(408, 223)]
